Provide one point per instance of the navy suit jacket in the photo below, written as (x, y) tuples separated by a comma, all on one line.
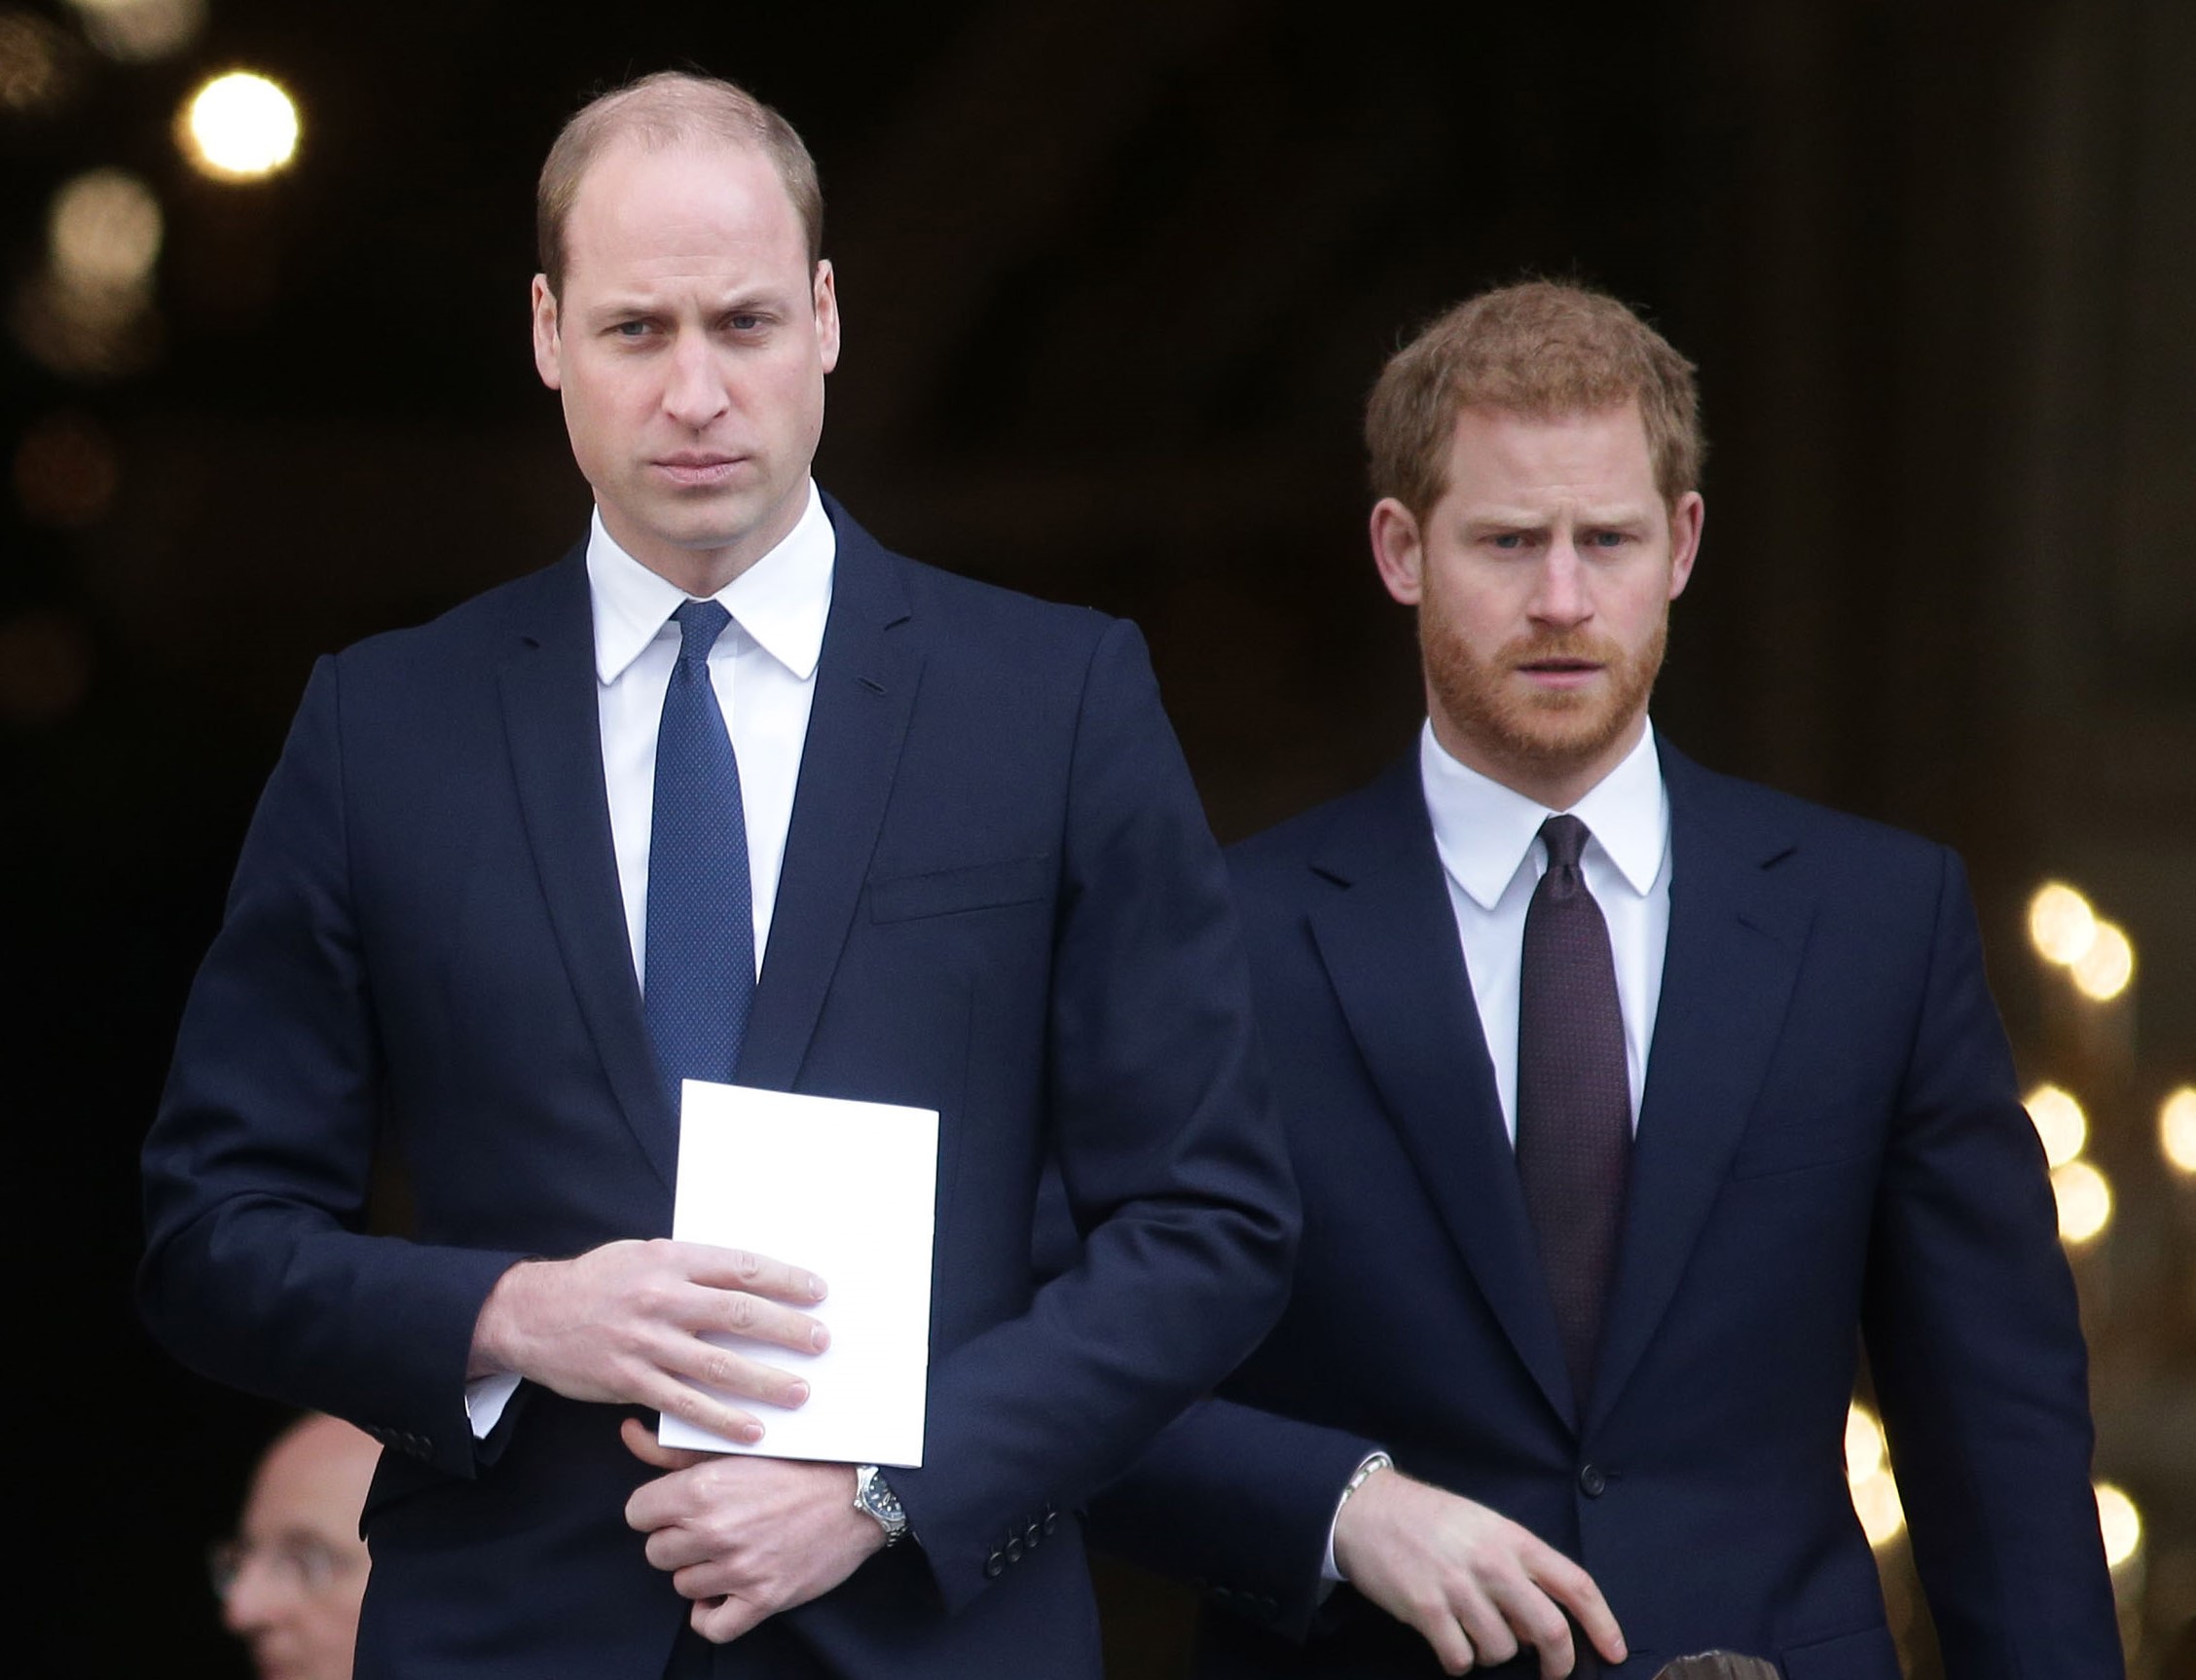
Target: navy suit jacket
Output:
[(998, 899), (1830, 1147)]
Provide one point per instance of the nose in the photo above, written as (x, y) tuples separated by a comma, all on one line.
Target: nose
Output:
[(254, 1600), (1561, 598), (695, 392)]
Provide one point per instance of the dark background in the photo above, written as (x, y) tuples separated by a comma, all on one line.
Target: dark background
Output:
[(1116, 278)]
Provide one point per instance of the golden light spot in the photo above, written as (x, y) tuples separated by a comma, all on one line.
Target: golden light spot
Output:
[(104, 231), (137, 31), (2085, 1202), (2176, 1129), (1882, 1516), (2104, 971), (2061, 923), (1864, 1444), (2120, 1524), (2058, 1122), (241, 127)]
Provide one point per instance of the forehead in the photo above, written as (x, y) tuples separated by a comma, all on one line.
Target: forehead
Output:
[(1598, 454), (313, 1482), (689, 206)]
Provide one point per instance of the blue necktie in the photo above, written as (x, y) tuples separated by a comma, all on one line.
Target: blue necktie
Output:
[(701, 911)]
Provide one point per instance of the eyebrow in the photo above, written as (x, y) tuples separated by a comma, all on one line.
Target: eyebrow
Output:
[(1593, 518), (617, 305)]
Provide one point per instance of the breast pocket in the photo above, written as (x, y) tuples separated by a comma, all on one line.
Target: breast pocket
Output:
[(957, 891), (1836, 1137)]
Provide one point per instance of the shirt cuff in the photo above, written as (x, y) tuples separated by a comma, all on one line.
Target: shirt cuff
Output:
[(1330, 1572), (486, 1397)]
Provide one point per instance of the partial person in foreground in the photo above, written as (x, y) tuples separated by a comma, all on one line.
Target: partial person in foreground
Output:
[(291, 1581), (1628, 1102), (730, 794)]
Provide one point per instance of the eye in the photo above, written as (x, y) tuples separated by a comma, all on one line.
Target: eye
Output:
[(1608, 539), (632, 329), (1508, 541)]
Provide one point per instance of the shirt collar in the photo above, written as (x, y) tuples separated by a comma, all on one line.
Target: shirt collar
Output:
[(782, 600), (1483, 829)]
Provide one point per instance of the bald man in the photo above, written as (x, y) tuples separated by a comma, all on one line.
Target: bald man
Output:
[(292, 1580)]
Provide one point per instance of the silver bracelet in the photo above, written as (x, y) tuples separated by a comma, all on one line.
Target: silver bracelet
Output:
[(1377, 1461)]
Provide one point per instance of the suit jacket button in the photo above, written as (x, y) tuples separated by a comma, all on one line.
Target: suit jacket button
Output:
[(1013, 1548), (1034, 1533), (993, 1567), (1593, 1481), (1051, 1520)]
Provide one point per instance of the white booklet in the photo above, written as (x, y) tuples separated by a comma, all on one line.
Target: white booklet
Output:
[(846, 1190)]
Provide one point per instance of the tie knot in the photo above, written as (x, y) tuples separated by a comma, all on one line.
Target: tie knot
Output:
[(1566, 838), (700, 622)]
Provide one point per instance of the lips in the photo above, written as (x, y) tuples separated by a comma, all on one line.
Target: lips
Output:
[(702, 467)]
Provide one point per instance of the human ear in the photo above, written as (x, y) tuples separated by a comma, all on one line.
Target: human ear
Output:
[(546, 342), (1398, 550)]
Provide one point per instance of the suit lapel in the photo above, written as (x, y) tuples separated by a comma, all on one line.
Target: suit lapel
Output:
[(865, 682), (1736, 931), (1390, 946), (554, 727)]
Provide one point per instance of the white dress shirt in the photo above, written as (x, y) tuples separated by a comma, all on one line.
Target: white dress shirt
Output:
[(1492, 856), (1488, 838), (763, 670)]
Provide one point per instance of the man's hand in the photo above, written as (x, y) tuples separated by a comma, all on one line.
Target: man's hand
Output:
[(745, 1538), (1475, 1583), (625, 1323)]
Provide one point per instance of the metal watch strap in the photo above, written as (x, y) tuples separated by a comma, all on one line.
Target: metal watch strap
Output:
[(873, 1496)]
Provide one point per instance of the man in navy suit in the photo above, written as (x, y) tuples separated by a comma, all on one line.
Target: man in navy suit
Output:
[(1627, 1101), (730, 792)]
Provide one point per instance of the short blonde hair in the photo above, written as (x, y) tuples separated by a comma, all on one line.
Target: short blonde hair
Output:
[(670, 108), (1542, 349)]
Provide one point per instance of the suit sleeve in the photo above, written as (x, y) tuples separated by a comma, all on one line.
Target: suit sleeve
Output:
[(1238, 1502), (1976, 1348), (1174, 1169), (257, 1170)]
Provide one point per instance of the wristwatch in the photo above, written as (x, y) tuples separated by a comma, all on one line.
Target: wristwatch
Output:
[(873, 1494)]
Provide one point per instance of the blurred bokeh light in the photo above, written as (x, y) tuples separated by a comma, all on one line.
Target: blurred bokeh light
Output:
[(137, 32), (104, 231), (34, 66), (2061, 923), (2120, 1522), (2085, 1202), (2058, 1122), (1864, 1444), (2103, 972), (2176, 1129), (239, 126)]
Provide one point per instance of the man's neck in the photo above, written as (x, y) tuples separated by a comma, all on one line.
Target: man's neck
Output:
[(702, 572), (1554, 783)]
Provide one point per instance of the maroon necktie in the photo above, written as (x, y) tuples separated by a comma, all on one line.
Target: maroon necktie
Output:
[(1574, 1096)]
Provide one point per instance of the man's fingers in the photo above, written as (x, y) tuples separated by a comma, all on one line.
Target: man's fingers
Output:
[(1572, 1587), (641, 1443), (1531, 1617), (734, 1312), (723, 1619), (730, 1372), (1485, 1624), (690, 1405), (749, 1273), (1449, 1641)]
